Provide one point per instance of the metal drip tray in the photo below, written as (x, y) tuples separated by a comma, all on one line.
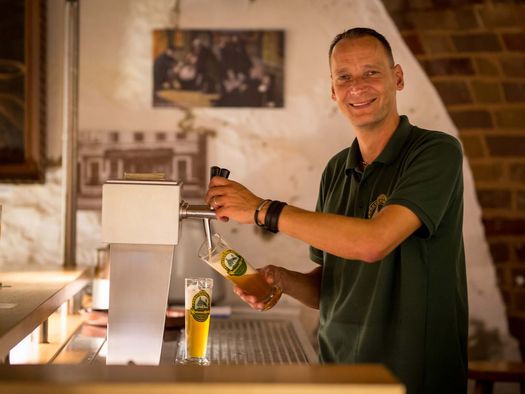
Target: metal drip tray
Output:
[(255, 341), (242, 338)]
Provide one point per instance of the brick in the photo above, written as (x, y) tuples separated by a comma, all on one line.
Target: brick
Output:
[(513, 66), (476, 42), (486, 172), (413, 42), (513, 118), (487, 67), (517, 326), (434, 20), (448, 66), (518, 300), (514, 92), (517, 172), (437, 43), (502, 15), (520, 201), (502, 277), (503, 226), (518, 278), (393, 6), (453, 92), (402, 5), (500, 251), (473, 146), (471, 119), (506, 146), (514, 41), (466, 18), (519, 250), (402, 20), (494, 198), (455, 3), (487, 92)]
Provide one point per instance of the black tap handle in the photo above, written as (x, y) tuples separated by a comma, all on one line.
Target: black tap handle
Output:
[(225, 173), (217, 171), (214, 171)]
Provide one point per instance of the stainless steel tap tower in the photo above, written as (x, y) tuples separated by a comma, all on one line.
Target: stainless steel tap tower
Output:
[(141, 218)]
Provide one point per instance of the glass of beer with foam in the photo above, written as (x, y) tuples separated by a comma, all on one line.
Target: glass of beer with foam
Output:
[(197, 297), (232, 266)]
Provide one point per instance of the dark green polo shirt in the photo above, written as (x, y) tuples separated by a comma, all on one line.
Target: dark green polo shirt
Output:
[(408, 311)]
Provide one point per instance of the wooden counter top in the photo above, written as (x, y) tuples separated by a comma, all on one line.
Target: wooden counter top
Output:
[(303, 379), (29, 294)]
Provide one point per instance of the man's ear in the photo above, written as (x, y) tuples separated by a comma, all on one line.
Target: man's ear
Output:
[(400, 80)]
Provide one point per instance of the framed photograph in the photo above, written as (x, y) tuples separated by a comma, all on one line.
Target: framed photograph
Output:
[(218, 68), (22, 90)]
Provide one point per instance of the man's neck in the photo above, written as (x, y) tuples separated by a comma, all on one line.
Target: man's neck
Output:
[(372, 140)]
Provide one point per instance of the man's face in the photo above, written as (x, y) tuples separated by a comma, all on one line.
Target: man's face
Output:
[(364, 82)]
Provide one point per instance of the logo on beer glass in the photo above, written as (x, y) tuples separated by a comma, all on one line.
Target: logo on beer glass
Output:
[(200, 306), (233, 263)]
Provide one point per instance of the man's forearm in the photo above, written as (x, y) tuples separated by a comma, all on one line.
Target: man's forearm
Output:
[(304, 287)]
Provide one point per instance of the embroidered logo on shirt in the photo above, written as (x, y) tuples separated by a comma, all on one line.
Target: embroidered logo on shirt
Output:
[(375, 206)]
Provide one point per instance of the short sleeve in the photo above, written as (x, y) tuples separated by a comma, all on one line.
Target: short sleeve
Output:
[(431, 178)]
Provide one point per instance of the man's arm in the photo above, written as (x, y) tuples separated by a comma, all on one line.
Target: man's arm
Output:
[(351, 238), (368, 240), (304, 287)]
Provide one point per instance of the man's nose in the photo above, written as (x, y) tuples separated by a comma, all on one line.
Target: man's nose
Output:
[(357, 87)]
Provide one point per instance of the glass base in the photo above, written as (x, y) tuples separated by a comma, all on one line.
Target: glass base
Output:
[(273, 298), (194, 361)]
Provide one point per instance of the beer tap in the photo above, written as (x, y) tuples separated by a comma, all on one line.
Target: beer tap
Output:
[(204, 212)]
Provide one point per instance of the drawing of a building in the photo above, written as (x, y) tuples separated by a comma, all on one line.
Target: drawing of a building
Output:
[(106, 155)]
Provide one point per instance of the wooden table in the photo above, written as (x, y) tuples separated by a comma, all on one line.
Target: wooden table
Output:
[(30, 294), (486, 373)]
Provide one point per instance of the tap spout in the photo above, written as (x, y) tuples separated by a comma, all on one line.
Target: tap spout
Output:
[(188, 211)]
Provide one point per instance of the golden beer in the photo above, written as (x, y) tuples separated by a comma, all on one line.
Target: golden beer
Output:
[(196, 336), (197, 319), (231, 265), (255, 285)]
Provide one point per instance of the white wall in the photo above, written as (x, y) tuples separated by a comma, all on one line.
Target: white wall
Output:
[(278, 153)]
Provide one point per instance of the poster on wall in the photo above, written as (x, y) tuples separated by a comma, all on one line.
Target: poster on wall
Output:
[(108, 154), (22, 91), (218, 68)]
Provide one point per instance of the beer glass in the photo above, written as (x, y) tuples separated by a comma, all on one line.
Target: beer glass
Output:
[(232, 266), (197, 298)]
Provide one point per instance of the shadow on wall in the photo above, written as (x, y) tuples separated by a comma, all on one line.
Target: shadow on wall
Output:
[(483, 343)]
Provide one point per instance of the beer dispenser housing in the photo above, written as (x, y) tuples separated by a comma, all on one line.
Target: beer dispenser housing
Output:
[(141, 223)]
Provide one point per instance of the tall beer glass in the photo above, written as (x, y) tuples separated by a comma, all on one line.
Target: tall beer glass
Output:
[(197, 299), (231, 265)]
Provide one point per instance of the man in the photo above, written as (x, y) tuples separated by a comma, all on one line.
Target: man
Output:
[(387, 231)]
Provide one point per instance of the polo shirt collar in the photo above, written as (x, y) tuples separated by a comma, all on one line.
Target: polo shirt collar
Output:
[(389, 153)]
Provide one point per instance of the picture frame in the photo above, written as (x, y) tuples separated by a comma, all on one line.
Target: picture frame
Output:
[(22, 91), (218, 68)]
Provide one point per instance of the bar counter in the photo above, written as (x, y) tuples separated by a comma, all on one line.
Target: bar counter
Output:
[(29, 294), (80, 379), (28, 298)]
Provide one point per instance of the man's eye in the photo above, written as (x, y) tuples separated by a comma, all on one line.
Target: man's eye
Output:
[(344, 77), (371, 73)]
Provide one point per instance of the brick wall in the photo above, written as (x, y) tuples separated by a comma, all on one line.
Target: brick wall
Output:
[(474, 53)]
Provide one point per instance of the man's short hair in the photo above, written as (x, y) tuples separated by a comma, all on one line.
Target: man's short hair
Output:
[(358, 32)]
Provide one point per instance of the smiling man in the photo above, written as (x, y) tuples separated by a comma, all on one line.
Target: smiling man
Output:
[(386, 232)]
